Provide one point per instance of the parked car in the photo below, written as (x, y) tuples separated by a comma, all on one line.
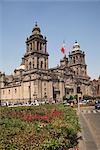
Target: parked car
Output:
[(69, 102), (97, 104), (3, 103), (83, 102)]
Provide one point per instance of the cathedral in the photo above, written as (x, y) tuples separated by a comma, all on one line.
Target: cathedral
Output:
[(34, 80)]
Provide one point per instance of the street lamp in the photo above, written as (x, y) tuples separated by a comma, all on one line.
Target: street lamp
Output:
[(30, 90), (78, 93), (78, 104)]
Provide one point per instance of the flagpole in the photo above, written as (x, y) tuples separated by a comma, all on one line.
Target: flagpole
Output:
[(64, 47)]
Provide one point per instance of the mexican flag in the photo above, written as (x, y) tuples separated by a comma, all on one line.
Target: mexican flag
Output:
[(63, 48)]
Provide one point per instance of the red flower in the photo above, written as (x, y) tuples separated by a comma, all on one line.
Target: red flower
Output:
[(56, 113)]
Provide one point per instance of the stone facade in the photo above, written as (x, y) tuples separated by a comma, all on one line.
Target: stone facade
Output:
[(96, 87), (34, 80)]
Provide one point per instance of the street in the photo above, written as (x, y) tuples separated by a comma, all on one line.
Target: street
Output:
[(90, 126)]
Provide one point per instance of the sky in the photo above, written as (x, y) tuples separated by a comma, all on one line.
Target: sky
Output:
[(59, 21)]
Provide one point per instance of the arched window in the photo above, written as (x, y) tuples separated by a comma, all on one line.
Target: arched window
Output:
[(37, 45), (77, 71), (33, 62), (78, 89), (77, 58), (81, 59), (45, 64), (98, 88), (9, 91), (30, 65), (15, 90), (30, 46), (37, 62), (41, 64), (73, 59), (40, 46)]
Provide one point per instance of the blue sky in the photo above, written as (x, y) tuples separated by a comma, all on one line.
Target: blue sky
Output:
[(58, 20)]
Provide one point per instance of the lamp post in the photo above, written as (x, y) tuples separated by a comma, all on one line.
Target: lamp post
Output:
[(78, 109), (78, 92), (29, 89)]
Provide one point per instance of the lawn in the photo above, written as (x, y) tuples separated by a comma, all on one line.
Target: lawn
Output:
[(45, 127)]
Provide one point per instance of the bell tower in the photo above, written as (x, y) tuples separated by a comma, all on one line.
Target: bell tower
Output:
[(36, 56), (77, 60)]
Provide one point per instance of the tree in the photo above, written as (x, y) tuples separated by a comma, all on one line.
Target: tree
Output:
[(71, 97), (87, 97), (64, 97), (75, 96)]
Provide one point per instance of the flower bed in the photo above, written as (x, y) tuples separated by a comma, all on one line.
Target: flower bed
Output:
[(47, 127)]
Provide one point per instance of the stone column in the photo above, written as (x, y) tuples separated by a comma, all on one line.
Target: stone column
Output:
[(35, 45), (50, 90), (32, 46), (34, 62), (12, 92), (42, 47), (47, 63), (19, 94), (38, 46), (39, 89), (45, 47), (62, 90), (22, 90)]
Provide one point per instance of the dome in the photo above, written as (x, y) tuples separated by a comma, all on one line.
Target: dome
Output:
[(76, 46), (21, 67), (36, 29)]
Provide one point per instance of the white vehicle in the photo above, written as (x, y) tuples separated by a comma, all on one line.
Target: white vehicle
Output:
[(3, 104), (36, 103)]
